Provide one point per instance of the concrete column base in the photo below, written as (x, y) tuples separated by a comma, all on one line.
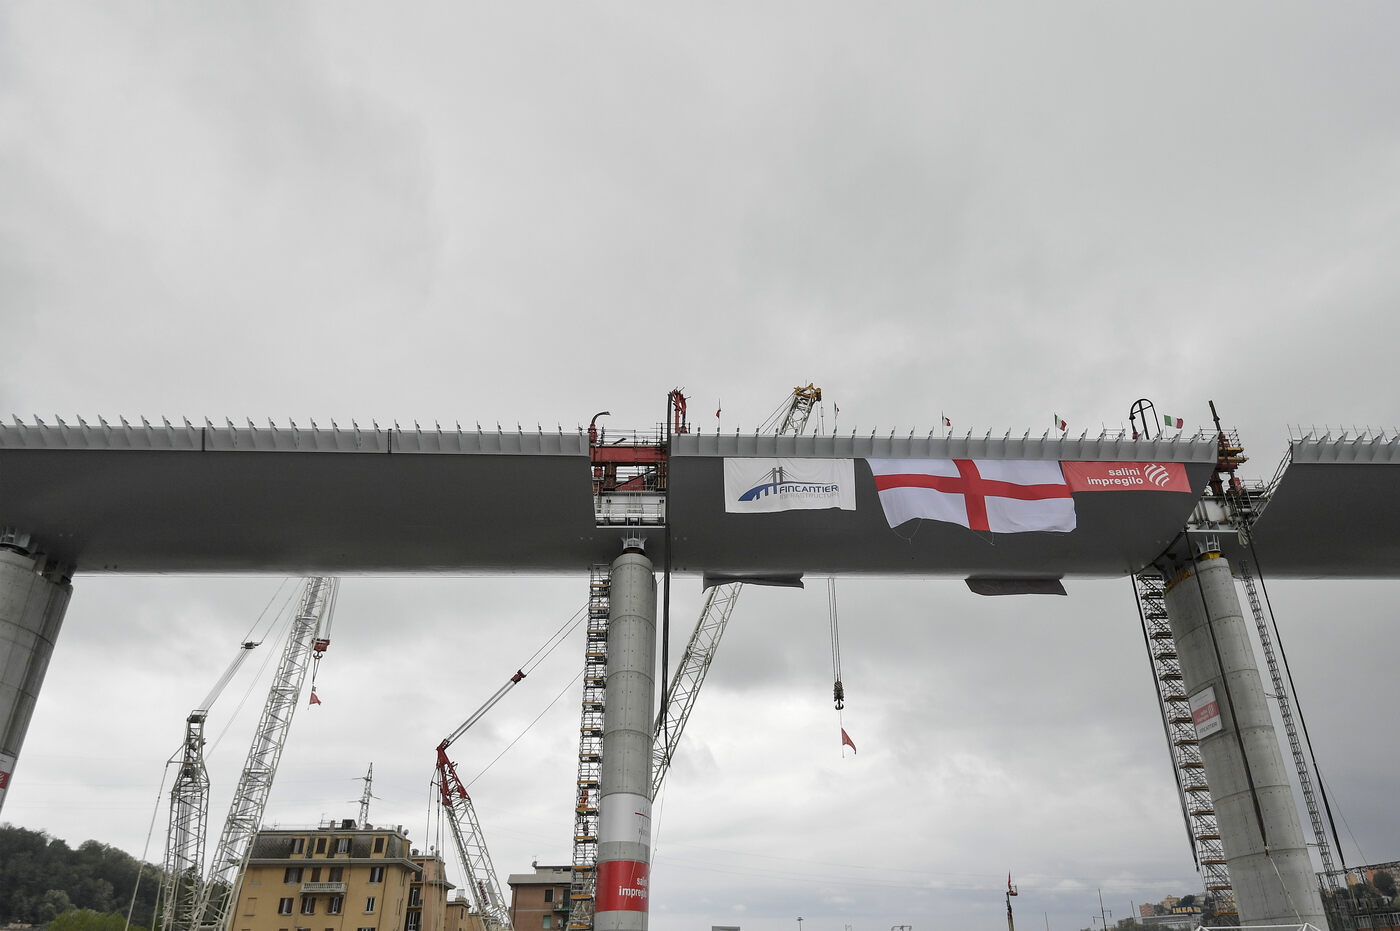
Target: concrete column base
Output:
[(32, 604), (1270, 868)]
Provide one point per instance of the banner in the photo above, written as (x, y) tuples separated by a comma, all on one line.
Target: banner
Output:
[(997, 495), (1205, 712), (761, 486), (1126, 476), (621, 886)]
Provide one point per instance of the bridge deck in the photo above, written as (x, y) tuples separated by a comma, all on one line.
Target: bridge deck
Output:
[(242, 499)]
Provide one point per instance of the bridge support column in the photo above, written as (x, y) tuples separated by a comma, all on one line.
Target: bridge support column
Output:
[(1270, 870), (33, 599), (629, 715)]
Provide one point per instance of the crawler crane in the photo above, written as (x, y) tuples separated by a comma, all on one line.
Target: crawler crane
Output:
[(466, 831), (309, 635)]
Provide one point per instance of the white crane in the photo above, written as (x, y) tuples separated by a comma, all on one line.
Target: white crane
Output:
[(790, 419), (466, 830), (182, 880), (309, 634)]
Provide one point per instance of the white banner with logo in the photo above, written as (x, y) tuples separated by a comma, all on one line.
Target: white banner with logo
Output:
[(1205, 713), (761, 486)]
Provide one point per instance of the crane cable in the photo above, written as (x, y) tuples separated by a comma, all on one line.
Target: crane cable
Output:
[(322, 638), (838, 691)]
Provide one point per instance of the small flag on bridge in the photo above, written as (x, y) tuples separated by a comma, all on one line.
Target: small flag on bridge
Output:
[(1174, 422)]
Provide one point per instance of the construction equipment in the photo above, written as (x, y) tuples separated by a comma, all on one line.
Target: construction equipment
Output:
[(182, 879), (466, 830), (790, 419), (648, 461), (312, 618)]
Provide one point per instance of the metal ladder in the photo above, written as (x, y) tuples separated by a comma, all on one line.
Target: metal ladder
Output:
[(590, 752), (1193, 789), (1285, 709)]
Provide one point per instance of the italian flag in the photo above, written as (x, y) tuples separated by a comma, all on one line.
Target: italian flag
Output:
[(1174, 422)]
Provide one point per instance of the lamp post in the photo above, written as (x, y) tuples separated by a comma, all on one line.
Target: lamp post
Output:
[(799, 923)]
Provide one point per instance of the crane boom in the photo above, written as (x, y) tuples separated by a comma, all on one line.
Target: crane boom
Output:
[(255, 783), (466, 830), (184, 846), (714, 616)]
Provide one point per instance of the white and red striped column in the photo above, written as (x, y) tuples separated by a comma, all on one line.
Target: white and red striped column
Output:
[(629, 716)]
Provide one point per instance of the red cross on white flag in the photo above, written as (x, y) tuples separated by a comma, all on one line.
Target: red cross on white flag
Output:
[(1000, 495)]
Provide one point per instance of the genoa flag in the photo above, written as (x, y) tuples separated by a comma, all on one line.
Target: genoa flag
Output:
[(999, 495), (846, 740)]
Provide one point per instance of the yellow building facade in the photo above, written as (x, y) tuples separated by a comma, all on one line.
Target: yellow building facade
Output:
[(341, 876)]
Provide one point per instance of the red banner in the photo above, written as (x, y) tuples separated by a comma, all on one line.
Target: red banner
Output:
[(622, 886), (1126, 476)]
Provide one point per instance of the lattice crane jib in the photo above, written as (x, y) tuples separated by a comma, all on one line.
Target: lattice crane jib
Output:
[(270, 737), (466, 830), (471, 847), (1193, 788), (791, 420), (181, 883)]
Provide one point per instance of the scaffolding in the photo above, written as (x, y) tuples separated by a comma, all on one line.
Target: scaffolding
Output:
[(1193, 788), (590, 751)]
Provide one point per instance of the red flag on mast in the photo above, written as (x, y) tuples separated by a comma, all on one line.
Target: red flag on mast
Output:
[(846, 740)]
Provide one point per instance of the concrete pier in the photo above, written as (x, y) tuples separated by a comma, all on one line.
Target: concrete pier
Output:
[(1268, 860), (33, 599), (629, 715)]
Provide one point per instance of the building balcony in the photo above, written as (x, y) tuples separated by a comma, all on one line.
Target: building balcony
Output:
[(323, 888)]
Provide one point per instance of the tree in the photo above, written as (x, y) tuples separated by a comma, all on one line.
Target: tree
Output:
[(54, 903), (85, 919), (1384, 883)]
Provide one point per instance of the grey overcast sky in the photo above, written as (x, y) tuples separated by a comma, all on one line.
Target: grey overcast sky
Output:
[(526, 213)]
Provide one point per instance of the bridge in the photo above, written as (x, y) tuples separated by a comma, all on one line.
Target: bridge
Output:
[(204, 498)]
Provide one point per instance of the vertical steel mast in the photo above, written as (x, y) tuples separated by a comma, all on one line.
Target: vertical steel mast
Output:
[(250, 798), (184, 846)]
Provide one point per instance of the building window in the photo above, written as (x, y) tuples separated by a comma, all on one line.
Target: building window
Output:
[(337, 874), (369, 905), (414, 920), (545, 922), (549, 895), (308, 905), (376, 874), (379, 845), (315, 874), (415, 897), (284, 906), (333, 904), (342, 845), (298, 845), (250, 907), (320, 845), (292, 875)]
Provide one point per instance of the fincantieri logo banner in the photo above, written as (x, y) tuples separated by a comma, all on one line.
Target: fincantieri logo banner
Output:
[(760, 486)]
